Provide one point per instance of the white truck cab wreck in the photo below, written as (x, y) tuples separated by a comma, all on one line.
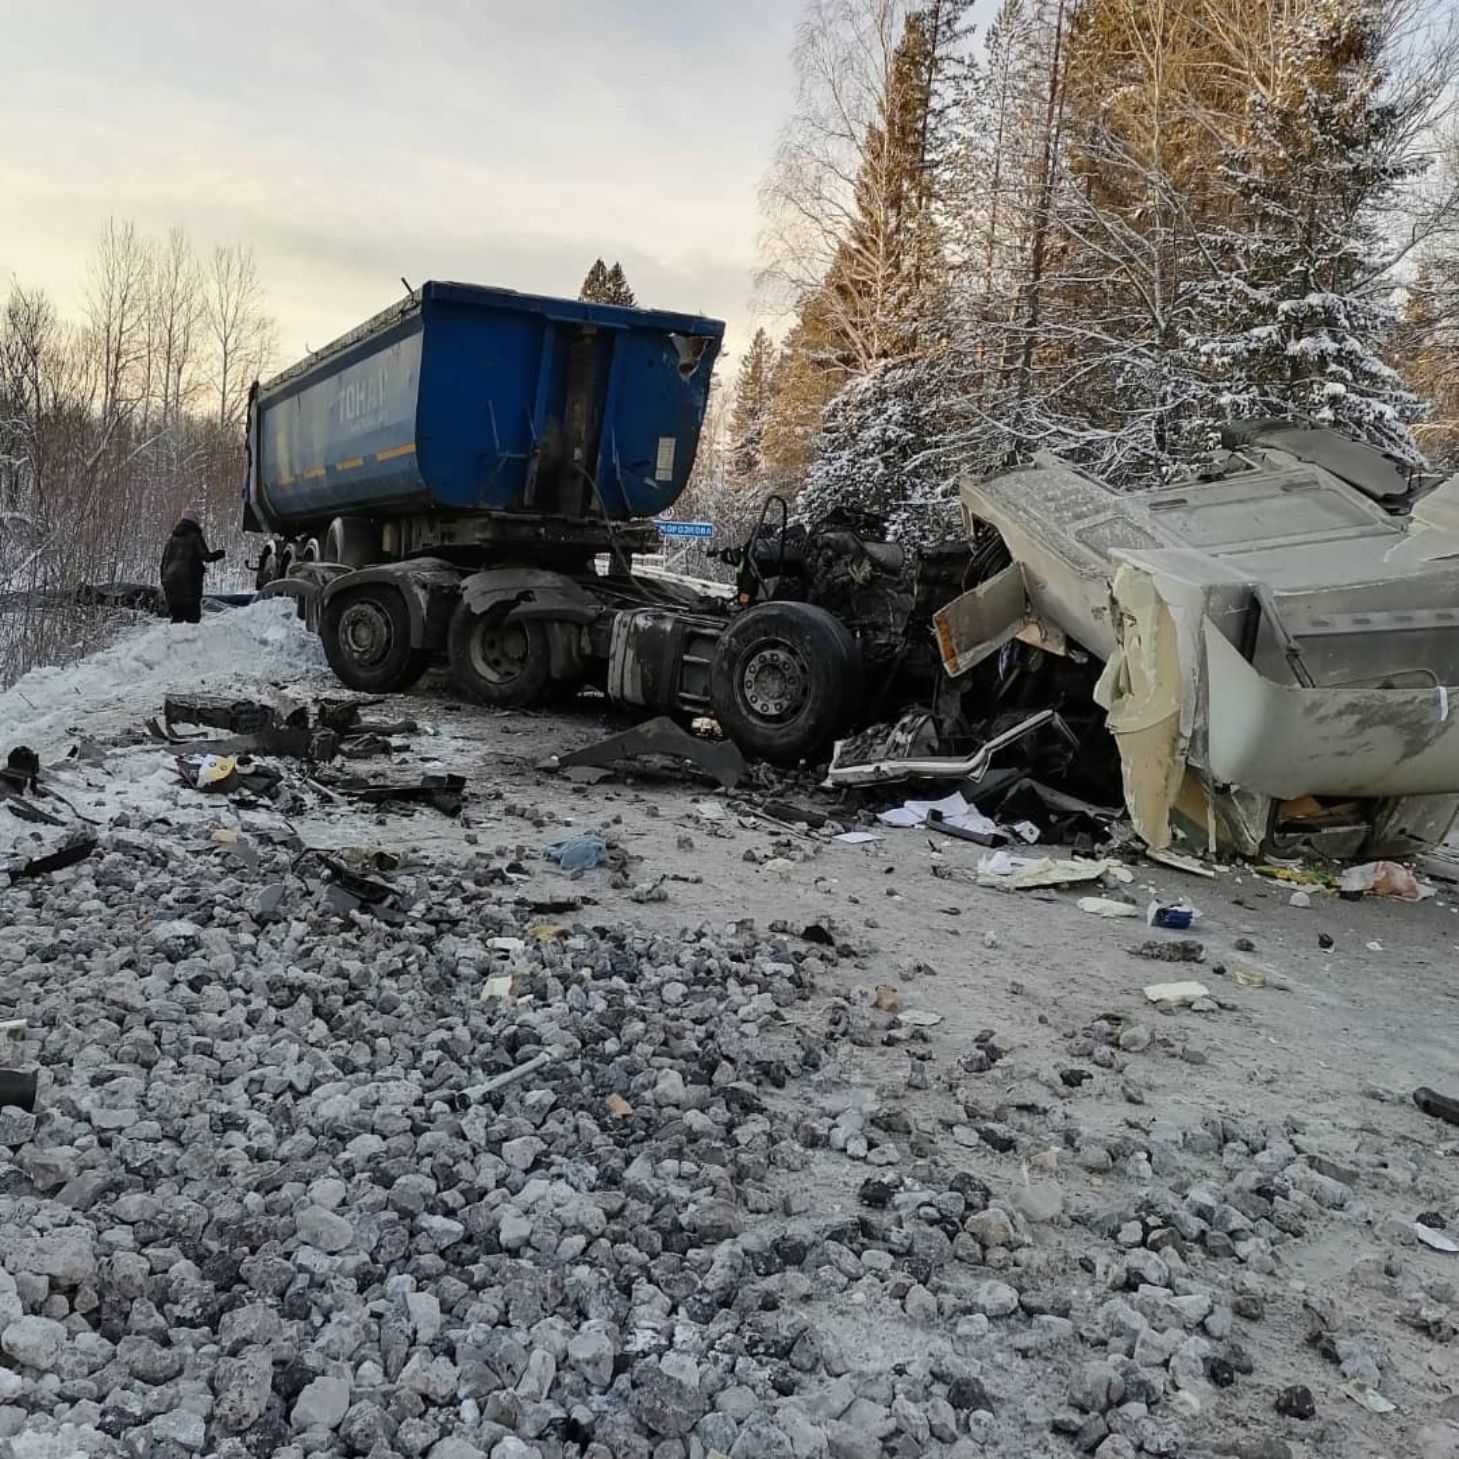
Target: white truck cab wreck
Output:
[(1279, 635)]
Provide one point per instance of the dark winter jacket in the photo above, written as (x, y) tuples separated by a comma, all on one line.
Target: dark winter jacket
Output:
[(182, 563)]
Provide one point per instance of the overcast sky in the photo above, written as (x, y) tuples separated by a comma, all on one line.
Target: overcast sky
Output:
[(503, 141)]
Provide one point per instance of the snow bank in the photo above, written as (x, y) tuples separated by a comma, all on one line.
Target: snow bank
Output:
[(236, 650)]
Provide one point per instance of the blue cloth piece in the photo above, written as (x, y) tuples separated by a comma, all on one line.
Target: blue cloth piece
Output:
[(578, 853)]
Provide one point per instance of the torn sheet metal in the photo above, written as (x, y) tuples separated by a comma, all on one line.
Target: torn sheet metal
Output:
[(1141, 693), (1433, 532), (719, 759), (1287, 741), (934, 767), (977, 624)]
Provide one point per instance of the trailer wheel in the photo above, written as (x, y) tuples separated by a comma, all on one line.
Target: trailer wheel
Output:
[(786, 678), (506, 665), (352, 541), (366, 636)]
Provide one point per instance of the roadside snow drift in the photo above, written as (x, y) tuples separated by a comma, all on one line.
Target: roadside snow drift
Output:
[(241, 649)]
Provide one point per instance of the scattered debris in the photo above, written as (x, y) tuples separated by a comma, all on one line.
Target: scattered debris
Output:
[(1368, 1397), (884, 998), (17, 1089), (1174, 995), (349, 890), (1382, 879), (952, 813), (216, 711), (1175, 916), (217, 774), (1249, 977), (664, 739), (1435, 1239), (1178, 950), (71, 849), (1178, 861), (477, 1092), (1021, 873), (1440, 1106), (446, 793), (1298, 875), (582, 852), (784, 811), (1017, 799), (1107, 907), (586, 774), (848, 768)]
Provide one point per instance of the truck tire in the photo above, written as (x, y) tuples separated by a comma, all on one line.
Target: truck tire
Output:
[(506, 665), (786, 677), (366, 636), (352, 541)]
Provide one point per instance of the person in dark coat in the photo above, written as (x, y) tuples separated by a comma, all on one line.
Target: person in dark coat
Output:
[(183, 562)]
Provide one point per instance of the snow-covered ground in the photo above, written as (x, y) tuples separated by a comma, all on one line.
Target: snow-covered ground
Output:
[(242, 649)]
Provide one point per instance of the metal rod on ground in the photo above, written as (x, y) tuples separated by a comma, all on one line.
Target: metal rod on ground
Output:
[(499, 1081)]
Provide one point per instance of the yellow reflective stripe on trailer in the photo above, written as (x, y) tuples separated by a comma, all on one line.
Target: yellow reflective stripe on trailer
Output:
[(395, 452), (349, 465)]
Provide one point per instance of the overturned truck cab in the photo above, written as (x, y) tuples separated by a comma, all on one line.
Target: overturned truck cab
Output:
[(1275, 641)]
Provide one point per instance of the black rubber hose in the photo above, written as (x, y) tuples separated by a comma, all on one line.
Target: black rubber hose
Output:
[(1441, 1106)]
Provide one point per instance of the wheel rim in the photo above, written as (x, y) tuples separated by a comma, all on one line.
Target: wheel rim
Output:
[(775, 681), (499, 652), (366, 634)]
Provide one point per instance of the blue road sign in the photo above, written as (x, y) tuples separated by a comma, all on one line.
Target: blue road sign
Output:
[(685, 529)]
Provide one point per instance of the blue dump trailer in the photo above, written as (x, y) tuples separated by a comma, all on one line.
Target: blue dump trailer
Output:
[(443, 485), (468, 416)]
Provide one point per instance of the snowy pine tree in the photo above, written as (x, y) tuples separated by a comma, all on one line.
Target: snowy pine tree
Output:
[(1297, 318), (753, 387), (616, 289), (595, 285), (605, 285), (852, 365)]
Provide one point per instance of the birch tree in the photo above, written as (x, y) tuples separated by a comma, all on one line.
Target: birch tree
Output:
[(241, 333)]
